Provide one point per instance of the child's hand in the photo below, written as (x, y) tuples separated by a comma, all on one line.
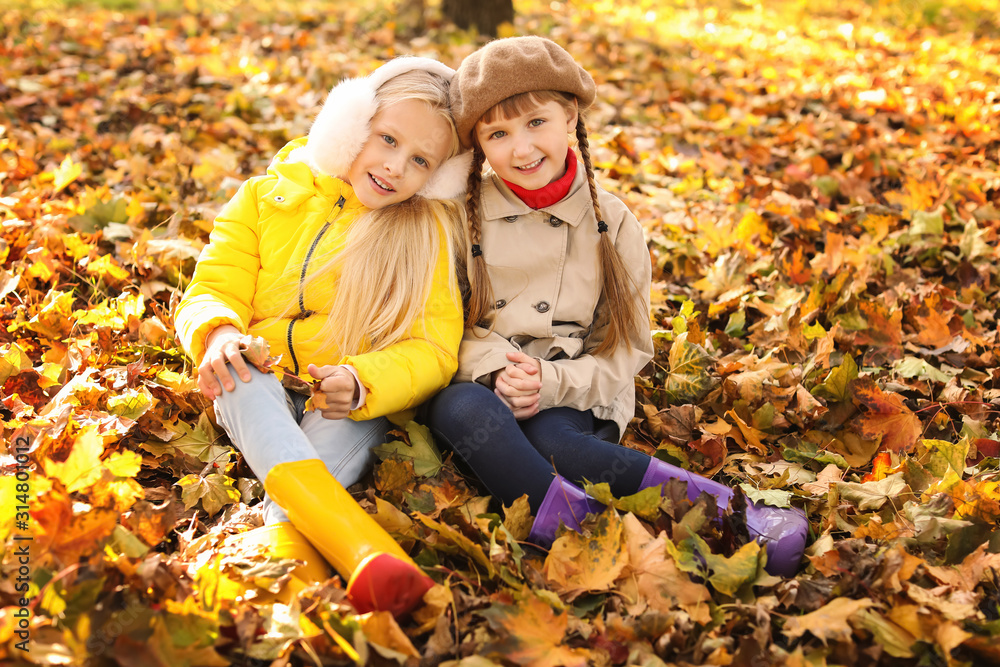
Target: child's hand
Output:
[(222, 347), (337, 390), (518, 385)]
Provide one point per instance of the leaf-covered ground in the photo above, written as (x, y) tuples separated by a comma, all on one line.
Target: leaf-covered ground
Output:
[(822, 200)]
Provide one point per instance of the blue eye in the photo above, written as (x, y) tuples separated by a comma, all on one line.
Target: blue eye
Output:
[(389, 140), (421, 161)]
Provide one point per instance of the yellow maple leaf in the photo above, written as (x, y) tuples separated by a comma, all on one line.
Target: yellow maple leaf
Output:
[(106, 268), (588, 561), (83, 465), (67, 172)]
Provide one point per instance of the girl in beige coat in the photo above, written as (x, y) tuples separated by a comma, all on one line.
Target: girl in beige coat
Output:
[(557, 319)]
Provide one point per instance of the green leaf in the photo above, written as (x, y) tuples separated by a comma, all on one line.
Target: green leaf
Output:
[(99, 215), (131, 403), (872, 495), (125, 543), (945, 459), (912, 367), (199, 441), (689, 379), (827, 185), (645, 504), (836, 385), (215, 491), (421, 451), (808, 452), (728, 575), (772, 497), (927, 224), (685, 557), (813, 331), (736, 326)]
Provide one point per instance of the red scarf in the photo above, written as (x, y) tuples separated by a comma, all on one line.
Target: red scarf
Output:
[(551, 193)]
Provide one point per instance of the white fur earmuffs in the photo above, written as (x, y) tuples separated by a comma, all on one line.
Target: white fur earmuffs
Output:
[(344, 123)]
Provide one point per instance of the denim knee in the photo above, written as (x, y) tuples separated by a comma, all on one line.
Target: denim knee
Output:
[(467, 415)]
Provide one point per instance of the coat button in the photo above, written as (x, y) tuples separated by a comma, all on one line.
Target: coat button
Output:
[(554, 221), (500, 304), (511, 218), (542, 306), (279, 198)]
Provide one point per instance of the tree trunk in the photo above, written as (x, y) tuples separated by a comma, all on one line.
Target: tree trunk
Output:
[(485, 15)]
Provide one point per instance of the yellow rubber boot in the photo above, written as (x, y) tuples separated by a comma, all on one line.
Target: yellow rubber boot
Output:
[(280, 540), (380, 576)]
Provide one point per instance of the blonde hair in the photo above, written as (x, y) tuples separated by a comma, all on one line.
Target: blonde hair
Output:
[(619, 292), (386, 269)]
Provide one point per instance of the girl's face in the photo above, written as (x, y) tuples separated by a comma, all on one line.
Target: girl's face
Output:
[(408, 141), (529, 150)]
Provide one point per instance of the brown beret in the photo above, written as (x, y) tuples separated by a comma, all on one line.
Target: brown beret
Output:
[(507, 67)]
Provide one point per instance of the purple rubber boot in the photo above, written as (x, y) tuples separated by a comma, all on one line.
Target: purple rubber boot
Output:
[(661, 472), (566, 503), (782, 529)]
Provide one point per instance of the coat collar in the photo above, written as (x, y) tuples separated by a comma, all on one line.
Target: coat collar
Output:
[(500, 202), (297, 182)]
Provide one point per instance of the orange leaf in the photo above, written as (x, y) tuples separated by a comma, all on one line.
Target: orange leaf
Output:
[(886, 417), (751, 437), (653, 580), (531, 633), (931, 322), (796, 267), (884, 326), (881, 466)]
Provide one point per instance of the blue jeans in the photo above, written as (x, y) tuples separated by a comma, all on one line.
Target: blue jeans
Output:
[(514, 457), (270, 426)]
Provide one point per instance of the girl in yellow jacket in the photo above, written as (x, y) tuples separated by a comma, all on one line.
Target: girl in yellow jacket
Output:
[(340, 258)]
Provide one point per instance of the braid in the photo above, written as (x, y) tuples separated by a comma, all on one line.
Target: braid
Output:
[(584, 145), (480, 289), (617, 286)]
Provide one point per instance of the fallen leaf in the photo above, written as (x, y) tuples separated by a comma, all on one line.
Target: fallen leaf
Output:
[(531, 633), (829, 622), (886, 417), (590, 560)]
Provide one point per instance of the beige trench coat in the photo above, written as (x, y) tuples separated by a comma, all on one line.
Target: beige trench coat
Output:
[(543, 266)]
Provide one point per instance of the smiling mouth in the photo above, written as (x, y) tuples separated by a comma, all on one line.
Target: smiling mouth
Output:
[(382, 185), (529, 167)]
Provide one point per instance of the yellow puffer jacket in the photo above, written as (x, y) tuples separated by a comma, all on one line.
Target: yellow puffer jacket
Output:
[(292, 221)]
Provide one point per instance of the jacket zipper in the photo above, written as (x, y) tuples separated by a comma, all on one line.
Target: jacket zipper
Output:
[(303, 313)]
